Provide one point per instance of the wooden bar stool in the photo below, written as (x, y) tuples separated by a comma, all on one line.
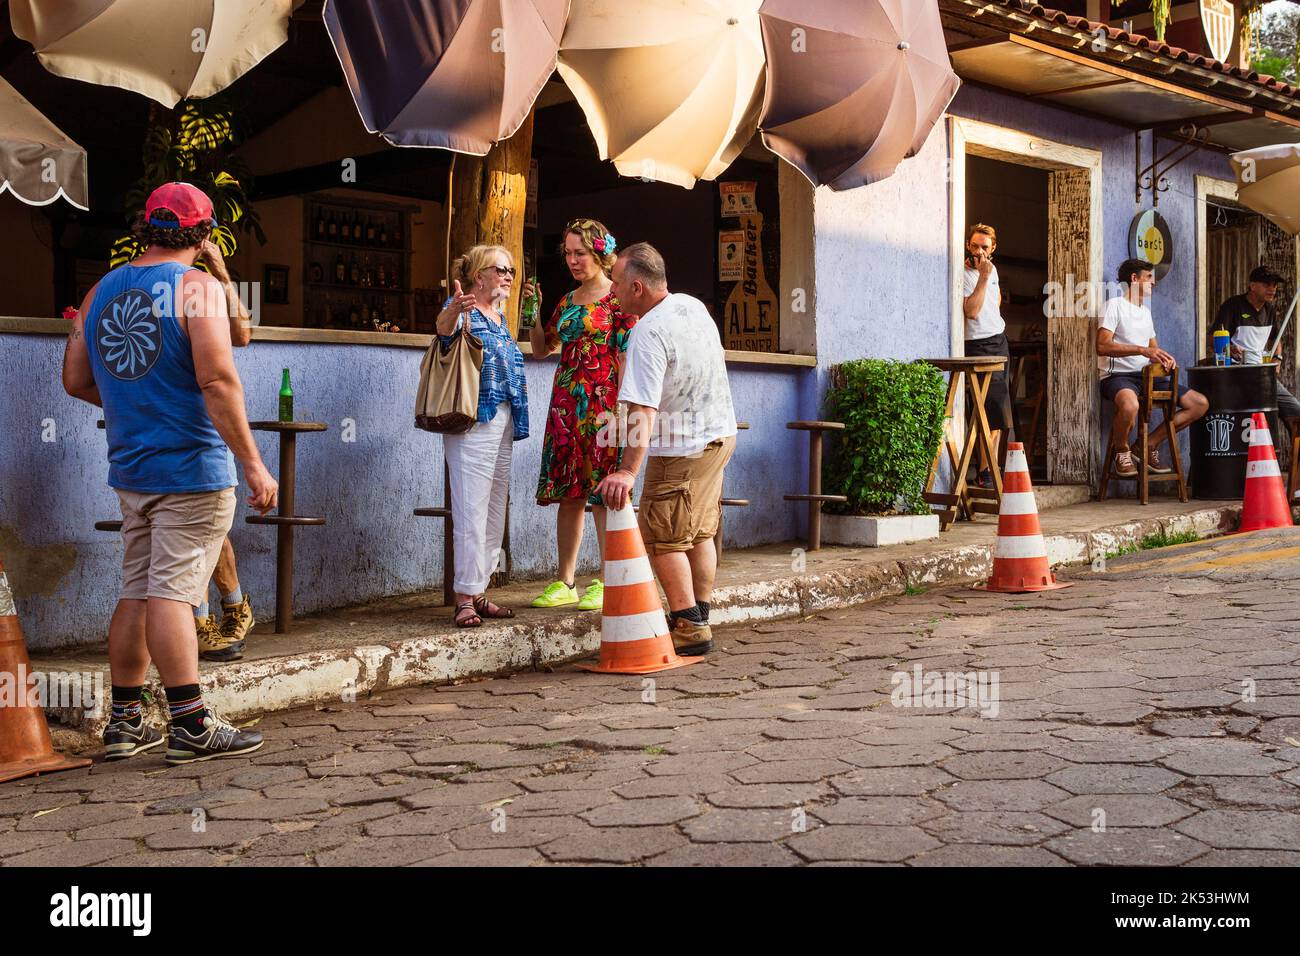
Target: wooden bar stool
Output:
[(978, 373), (1152, 400), (729, 503), (115, 524), (284, 520), (1293, 475), (1024, 354), (448, 552), (815, 498)]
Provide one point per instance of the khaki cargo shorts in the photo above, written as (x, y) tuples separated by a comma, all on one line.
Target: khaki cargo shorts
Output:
[(173, 542), (680, 498)]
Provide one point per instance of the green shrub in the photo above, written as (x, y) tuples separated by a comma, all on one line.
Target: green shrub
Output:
[(893, 418)]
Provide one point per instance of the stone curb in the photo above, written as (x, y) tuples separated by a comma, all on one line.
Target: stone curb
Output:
[(246, 689)]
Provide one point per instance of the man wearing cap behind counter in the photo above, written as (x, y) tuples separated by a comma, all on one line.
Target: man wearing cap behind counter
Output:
[(152, 346), (1250, 319)]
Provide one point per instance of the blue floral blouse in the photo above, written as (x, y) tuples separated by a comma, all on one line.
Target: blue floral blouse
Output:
[(502, 379)]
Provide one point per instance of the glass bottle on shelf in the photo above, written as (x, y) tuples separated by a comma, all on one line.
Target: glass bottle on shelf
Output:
[(340, 270), (354, 274), (382, 276), (370, 231), (383, 232), (397, 234), (333, 228), (356, 228), (320, 223)]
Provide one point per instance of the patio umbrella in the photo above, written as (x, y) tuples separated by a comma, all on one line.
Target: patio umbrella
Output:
[(165, 51), (457, 74), (853, 88), (38, 163), (1268, 181), (671, 88)]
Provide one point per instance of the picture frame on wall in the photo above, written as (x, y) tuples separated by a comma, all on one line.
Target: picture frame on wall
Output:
[(275, 284)]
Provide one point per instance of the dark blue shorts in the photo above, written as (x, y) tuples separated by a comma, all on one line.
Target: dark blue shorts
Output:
[(1114, 384)]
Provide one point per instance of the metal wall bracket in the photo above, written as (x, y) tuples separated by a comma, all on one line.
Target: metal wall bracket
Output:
[(1154, 177)]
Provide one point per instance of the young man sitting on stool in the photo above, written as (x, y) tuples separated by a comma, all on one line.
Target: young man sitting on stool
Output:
[(1126, 345)]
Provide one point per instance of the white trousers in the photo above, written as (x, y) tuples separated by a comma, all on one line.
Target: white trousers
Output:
[(478, 463)]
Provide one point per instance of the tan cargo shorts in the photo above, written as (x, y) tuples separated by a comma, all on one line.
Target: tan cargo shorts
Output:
[(173, 542), (680, 498)]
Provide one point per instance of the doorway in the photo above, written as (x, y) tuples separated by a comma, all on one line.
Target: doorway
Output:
[(1045, 197)]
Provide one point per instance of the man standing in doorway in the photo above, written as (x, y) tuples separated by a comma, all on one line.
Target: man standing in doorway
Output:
[(1250, 318), (986, 333), (152, 347), (680, 416), (1126, 344)]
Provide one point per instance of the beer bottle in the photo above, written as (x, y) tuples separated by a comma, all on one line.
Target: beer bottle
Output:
[(286, 398)]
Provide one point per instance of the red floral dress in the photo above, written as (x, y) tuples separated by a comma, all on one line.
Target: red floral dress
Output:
[(592, 340)]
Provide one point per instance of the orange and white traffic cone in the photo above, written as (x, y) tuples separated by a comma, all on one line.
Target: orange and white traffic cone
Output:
[(1020, 554), (1264, 504), (634, 635), (25, 745)]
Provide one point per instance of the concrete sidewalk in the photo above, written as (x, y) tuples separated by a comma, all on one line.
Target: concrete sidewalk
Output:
[(410, 640)]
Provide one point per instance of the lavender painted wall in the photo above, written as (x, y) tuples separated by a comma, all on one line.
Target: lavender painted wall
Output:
[(66, 575)]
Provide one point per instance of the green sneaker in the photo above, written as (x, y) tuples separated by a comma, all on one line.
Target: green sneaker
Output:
[(557, 594), (593, 599)]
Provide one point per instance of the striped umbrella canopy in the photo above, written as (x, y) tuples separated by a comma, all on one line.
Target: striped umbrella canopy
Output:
[(853, 86), (167, 51), (456, 74), (38, 163)]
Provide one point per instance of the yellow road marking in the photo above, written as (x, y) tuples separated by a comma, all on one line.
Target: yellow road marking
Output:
[(1229, 561)]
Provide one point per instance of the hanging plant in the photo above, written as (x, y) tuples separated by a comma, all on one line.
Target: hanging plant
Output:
[(193, 145), (1252, 17), (1160, 15)]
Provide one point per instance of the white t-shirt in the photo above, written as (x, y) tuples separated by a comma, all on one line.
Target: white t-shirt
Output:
[(989, 320), (675, 363), (1132, 325)]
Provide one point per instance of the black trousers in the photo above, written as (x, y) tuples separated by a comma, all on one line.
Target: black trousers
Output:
[(998, 404)]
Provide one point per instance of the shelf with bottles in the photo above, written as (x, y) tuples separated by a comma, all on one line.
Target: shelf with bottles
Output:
[(331, 223), (358, 313)]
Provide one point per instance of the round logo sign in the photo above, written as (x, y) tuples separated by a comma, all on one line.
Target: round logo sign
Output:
[(129, 335), (1150, 240)]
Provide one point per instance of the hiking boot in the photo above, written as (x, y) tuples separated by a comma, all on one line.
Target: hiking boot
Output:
[(126, 738), (219, 739), (557, 594), (237, 621), (691, 639), (1153, 463), (1124, 466), (593, 599), (213, 644), (984, 479)]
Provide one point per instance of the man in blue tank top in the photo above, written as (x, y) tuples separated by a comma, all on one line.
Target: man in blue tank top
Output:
[(152, 346)]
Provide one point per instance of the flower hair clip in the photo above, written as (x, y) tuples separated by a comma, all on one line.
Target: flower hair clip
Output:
[(605, 244)]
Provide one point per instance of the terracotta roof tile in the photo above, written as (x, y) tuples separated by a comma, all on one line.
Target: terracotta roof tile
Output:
[(1154, 46)]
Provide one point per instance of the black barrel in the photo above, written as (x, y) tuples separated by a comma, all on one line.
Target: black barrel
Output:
[(1221, 440)]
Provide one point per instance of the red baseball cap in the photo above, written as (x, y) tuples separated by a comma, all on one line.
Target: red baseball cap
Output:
[(189, 204)]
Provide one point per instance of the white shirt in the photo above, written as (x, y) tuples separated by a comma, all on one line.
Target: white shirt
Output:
[(675, 363), (989, 320), (1132, 325)]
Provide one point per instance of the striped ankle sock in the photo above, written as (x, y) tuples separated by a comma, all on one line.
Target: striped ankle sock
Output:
[(186, 706), (126, 703)]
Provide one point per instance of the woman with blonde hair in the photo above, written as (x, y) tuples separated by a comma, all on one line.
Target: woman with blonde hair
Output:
[(478, 461), (591, 331)]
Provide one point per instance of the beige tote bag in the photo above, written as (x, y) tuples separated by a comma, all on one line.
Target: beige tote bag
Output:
[(446, 400)]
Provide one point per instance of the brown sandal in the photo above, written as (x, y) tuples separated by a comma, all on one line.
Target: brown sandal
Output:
[(467, 620), (486, 608)]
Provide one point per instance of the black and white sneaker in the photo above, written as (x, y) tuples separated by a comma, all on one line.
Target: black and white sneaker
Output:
[(126, 738), (219, 739)]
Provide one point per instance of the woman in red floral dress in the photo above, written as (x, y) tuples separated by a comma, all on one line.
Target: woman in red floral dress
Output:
[(591, 332)]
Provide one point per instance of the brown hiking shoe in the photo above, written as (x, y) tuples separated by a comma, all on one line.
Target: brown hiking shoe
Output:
[(1153, 464), (237, 621), (691, 639), (213, 645)]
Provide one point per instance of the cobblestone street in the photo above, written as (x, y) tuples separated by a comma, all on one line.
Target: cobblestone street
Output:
[(1148, 715)]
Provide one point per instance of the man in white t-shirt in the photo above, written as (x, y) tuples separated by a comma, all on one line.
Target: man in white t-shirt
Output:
[(1126, 344), (986, 332), (680, 416)]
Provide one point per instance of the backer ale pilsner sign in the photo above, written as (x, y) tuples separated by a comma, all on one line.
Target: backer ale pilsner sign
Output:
[(751, 315)]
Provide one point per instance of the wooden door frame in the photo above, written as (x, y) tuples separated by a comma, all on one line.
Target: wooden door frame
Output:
[(968, 137), (1206, 187)]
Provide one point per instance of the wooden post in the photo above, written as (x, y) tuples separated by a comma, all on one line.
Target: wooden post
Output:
[(487, 197)]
